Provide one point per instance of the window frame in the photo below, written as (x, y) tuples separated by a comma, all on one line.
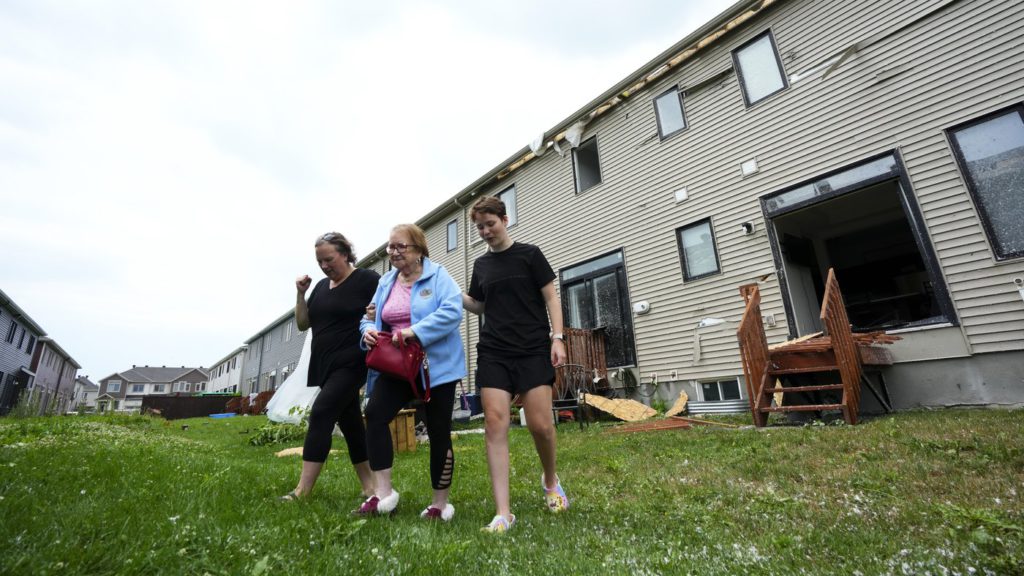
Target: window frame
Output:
[(622, 284), (114, 386), (682, 250), (778, 62), (718, 384), (682, 111), (575, 164), (968, 178), (138, 389), (450, 234)]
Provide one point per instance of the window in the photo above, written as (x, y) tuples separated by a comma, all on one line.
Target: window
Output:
[(11, 331), (586, 165), (21, 339), (200, 386), (697, 250), (158, 388), (990, 152), (453, 235), (759, 69), (508, 196), (181, 387), (594, 294), (668, 108), (266, 341), (138, 388), (288, 332), (721, 390), (31, 344), (114, 386), (234, 361)]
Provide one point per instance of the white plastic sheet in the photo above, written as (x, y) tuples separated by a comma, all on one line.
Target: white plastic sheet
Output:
[(294, 393)]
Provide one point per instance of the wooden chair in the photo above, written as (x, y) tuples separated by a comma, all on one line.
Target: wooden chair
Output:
[(836, 351), (571, 383)]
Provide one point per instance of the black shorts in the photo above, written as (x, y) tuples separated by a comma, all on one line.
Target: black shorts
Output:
[(514, 375)]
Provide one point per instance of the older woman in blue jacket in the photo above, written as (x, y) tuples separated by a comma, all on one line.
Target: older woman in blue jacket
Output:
[(419, 300)]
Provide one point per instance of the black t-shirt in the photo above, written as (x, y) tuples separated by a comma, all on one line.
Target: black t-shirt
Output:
[(509, 283), (334, 316)]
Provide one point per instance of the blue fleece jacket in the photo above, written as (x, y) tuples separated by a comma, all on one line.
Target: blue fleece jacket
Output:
[(435, 308)]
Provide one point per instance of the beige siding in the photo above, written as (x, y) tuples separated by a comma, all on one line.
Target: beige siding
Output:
[(815, 126)]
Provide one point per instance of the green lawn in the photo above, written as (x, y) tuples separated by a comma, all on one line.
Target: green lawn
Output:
[(913, 493)]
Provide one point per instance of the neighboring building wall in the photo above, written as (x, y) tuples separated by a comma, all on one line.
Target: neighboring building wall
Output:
[(273, 354), (226, 373), (55, 377), (18, 337), (879, 100), (85, 394)]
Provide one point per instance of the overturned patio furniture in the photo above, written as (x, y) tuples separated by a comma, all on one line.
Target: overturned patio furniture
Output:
[(838, 351)]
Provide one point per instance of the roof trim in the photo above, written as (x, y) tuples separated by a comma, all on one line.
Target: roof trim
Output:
[(699, 40), (20, 314)]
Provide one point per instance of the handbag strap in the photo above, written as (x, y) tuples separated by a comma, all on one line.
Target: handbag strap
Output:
[(424, 371)]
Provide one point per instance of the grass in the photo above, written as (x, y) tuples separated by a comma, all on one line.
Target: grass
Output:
[(911, 493)]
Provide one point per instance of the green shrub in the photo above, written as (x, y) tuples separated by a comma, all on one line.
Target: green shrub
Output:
[(273, 433)]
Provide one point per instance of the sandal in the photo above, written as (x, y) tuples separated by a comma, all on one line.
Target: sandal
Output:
[(555, 498), (292, 496), (500, 524)]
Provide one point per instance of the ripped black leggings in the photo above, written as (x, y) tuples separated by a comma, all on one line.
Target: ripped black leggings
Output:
[(390, 395)]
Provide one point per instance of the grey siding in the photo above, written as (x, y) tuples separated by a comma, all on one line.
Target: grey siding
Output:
[(893, 95)]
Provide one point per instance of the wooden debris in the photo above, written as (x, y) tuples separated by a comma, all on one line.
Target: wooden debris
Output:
[(628, 410), (666, 424), (706, 422), (680, 406)]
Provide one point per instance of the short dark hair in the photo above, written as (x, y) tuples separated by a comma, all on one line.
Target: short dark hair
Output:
[(340, 243), (488, 205)]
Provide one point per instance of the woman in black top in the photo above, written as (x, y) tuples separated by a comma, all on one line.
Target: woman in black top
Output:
[(336, 362)]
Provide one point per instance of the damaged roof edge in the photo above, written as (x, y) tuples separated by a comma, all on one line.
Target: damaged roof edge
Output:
[(705, 36)]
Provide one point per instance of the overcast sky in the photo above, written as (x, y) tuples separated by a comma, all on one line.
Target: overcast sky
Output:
[(165, 166)]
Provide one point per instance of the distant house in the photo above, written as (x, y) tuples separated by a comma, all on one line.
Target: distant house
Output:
[(123, 391), (272, 354), (55, 371), (226, 373), (884, 140), (20, 339), (85, 394)]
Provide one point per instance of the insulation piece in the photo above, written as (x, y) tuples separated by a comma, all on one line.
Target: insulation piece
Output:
[(680, 406), (628, 410)]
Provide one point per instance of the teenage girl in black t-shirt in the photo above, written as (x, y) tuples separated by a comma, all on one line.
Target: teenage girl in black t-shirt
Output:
[(336, 362), (513, 287)]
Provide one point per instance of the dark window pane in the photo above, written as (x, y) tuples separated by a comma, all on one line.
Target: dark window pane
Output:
[(730, 390), (587, 164), (710, 390)]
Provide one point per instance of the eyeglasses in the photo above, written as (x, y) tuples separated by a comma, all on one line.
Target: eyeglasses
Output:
[(328, 237), (399, 248)]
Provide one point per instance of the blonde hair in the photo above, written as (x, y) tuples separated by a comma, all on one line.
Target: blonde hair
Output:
[(419, 239)]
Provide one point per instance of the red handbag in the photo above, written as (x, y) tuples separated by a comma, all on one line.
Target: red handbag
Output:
[(404, 362)]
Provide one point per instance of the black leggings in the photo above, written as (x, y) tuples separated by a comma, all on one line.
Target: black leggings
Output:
[(390, 395), (338, 401)]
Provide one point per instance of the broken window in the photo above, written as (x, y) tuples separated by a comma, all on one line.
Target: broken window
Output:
[(586, 165), (863, 222), (990, 152), (669, 110), (594, 294), (759, 69), (697, 250), (453, 235)]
